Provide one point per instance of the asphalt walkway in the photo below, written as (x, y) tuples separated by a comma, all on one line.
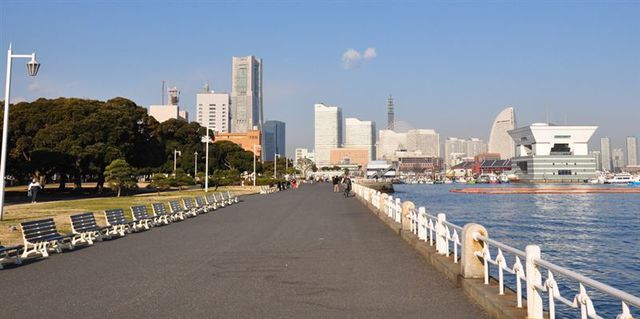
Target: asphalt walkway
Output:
[(305, 253)]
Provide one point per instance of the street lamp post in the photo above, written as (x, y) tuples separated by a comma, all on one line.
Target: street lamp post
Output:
[(175, 160), (206, 161), (32, 69), (195, 168), (275, 165), (254, 164)]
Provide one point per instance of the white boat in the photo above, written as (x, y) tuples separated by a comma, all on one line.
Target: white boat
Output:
[(621, 178)]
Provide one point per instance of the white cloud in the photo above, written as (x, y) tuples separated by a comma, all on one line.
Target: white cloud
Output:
[(369, 53), (352, 58)]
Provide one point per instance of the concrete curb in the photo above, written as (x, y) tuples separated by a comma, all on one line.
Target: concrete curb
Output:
[(485, 296)]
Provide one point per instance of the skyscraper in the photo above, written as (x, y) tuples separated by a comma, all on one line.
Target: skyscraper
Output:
[(426, 141), (605, 152), (390, 114), (328, 132), (388, 143), (617, 159), (499, 140), (274, 140), (360, 134), (632, 150), (454, 148), (246, 94), (213, 110)]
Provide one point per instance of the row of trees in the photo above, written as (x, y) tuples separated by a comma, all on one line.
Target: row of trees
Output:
[(74, 140)]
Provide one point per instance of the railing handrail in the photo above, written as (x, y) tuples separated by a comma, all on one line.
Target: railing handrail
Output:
[(501, 245), (614, 292)]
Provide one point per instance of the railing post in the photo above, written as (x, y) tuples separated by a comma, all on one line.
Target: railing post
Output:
[(397, 208), (470, 264), (407, 210), (534, 278), (441, 237), (422, 224), (383, 203)]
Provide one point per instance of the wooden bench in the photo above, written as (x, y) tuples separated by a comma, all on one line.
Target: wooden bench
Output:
[(40, 236), (177, 211), (116, 222), (211, 200), (10, 255), (202, 205), (141, 218), (85, 229), (162, 216), (191, 207)]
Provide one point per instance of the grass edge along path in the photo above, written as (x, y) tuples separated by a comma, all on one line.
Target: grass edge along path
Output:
[(62, 209)]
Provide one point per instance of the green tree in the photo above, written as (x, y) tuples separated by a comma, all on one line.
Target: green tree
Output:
[(120, 175), (160, 182), (181, 179)]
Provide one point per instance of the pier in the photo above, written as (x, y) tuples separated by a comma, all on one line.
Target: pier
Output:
[(305, 253)]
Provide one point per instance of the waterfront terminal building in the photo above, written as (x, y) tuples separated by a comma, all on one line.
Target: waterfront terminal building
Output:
[(553, 153)]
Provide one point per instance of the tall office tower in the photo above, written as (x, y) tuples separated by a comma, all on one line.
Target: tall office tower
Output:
[(274, 140), (454, 148), (213, 110), (617, 159), (328, 132), (360, 134), (246, 94), (632, 150), (426, 141), (388, 143), (475, 146), (390, 114), (605, 152), (598, 157), (499, 140)]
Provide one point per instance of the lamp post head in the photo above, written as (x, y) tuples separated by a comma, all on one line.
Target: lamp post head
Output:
[(33, 66)]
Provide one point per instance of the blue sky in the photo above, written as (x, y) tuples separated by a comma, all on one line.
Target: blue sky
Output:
[(451, 65)]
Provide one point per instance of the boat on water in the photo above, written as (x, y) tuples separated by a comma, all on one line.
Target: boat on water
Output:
[(487, 179), (634, 183), (621, 178)]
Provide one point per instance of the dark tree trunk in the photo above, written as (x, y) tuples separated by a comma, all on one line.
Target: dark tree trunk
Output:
[(100, 185), (63, 182), (77, 182)]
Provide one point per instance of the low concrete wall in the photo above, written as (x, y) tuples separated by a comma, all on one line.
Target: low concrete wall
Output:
[(485, 296)]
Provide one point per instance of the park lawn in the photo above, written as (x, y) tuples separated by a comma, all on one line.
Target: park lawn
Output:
[(61, 210)]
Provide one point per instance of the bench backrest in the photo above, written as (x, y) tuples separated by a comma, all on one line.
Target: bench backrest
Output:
[(221, 198), (159, 209), (199, 201), (210, 198), (83, 222), (139, 212), (115, 216), (188, 203), (175, 206), (38, 230)]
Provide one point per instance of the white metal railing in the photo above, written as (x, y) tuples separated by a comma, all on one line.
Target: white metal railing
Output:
[(447, 239)]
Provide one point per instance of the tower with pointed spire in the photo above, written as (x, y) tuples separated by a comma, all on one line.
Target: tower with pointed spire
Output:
[(390, 115)]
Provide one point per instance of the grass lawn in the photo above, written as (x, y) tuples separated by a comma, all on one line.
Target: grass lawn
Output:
[(62, 209)]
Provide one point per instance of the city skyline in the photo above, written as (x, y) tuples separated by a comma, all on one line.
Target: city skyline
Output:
[(475, 59)]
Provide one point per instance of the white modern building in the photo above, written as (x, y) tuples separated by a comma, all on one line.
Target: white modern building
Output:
[(274, 136), (169, 111), (213, 110), (499, 140), (360, 135), (246, 94), (388, 143), (304, 153), (605, 152), (456, 149), (598, 157), (632, 151), (327, 132), (426, 141), (553, 153)]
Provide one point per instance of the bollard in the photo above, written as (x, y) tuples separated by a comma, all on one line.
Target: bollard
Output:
[(422, 224), (397, 209), (407, 210), (441, 236), (470, 264), (383, 203), (534, 278)]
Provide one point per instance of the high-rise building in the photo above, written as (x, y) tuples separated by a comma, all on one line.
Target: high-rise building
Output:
[(246, 94), (475, 146), (389, 142), (426, 141), (303, 153), (328, 132), (499, 140), (169, 111), (598, 157), (360, 135), (454, 148), (391, 118), (617, 159), (274, 140), (605, 152), (213, 110), (632, 150)]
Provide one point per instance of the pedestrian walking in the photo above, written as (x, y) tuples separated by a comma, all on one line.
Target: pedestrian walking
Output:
[(336, 184), (32, 190)]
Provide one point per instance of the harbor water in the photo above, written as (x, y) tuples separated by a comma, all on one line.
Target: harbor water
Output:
[(597, 235)]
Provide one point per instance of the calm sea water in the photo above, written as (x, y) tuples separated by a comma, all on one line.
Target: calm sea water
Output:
[(597, 235)]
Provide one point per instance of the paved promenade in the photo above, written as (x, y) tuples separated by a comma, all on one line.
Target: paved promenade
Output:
[(306, 253)]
